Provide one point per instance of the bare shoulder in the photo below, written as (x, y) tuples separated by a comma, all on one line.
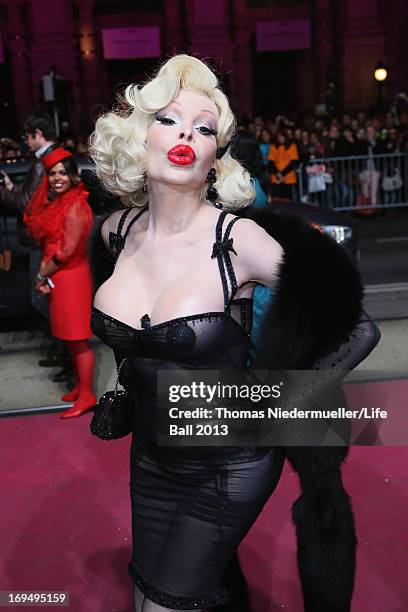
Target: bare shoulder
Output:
[(110, 224), (259, 254)]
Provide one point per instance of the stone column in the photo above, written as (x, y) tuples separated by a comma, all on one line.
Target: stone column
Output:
[(19, 60), (323, 48), (364, 46), (306, 93), (396, 44), (209, 33), (93, 79), (53, 43), (241, 83), (174, 35)]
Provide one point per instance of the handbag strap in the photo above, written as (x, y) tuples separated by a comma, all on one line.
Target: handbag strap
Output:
[(118, 374)]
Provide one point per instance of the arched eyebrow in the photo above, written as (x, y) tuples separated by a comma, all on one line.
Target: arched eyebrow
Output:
[(202, 110)]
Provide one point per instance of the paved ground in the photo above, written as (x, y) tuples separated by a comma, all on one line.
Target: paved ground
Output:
[(25, 385), (386, 300), (383, 243)]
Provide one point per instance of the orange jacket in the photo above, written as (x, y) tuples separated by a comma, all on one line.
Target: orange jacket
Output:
[(282, 156)]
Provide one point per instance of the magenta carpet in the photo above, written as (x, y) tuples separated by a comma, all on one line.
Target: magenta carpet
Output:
[(65, 519)]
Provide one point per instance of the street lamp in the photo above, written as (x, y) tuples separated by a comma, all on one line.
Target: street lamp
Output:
[(380, 75)]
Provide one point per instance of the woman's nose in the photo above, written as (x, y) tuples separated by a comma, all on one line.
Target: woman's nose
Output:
[(186, 135)]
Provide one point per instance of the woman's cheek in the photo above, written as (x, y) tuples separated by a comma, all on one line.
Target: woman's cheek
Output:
[(156, 136), (209, 153)]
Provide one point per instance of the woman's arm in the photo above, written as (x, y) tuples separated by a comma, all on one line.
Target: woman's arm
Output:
[(317, 288), (77, 225), (49, 267), (259, 255)]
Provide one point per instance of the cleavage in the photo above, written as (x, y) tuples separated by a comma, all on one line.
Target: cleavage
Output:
[(170, 303)]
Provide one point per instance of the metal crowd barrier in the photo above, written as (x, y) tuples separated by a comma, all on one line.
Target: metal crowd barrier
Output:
[(361, 182)]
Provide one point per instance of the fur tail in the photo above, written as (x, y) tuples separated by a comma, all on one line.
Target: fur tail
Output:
[(326, 548)]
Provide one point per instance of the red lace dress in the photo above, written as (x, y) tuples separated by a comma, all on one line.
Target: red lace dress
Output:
[(62, 227)]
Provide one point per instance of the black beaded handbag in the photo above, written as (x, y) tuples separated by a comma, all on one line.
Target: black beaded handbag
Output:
[(112, 418)]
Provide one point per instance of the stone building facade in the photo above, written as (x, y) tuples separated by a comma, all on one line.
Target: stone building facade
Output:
[(347, 38)]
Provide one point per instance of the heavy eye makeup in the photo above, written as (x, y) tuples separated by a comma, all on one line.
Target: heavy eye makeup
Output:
[(203, 129), (61, 172)]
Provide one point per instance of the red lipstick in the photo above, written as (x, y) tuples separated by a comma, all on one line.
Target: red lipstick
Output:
[(182, 155)]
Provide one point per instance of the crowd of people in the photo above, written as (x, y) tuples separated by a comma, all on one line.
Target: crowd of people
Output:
[(301, 158), (289, 148), (336, 137)]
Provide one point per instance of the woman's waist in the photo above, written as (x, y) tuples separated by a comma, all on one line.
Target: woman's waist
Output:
[(155, 420), (148, 358), (193, 457)]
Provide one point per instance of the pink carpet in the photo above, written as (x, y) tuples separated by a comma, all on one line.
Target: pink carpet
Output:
[(65, 519)]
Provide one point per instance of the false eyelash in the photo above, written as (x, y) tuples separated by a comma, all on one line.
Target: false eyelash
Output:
[(165, 120), (169, 121), (210, 132)]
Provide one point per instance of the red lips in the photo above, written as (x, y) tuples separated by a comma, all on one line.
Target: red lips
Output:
[(182, 155)]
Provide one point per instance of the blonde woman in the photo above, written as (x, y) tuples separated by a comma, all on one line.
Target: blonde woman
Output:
[(180, 297)]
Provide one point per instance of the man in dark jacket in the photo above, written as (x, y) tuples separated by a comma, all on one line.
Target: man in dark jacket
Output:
[(40, 137)]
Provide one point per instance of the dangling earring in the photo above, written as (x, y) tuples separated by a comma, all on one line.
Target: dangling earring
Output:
[(144, 188), (212, 193)]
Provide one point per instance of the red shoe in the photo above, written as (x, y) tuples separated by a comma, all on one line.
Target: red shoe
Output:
[(81, 406), (71, 396)]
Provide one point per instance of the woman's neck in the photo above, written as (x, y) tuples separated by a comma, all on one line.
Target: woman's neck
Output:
[(173, 209)]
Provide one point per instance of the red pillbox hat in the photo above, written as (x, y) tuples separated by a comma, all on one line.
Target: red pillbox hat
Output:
[(54, 157)]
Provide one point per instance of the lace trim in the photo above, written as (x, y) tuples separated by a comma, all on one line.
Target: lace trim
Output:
[(216, 598), (176, 321)]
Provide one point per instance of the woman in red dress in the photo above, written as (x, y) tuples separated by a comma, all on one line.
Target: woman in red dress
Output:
[(60, 219)]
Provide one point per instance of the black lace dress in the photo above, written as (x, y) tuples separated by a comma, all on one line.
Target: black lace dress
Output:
[(189, 511)]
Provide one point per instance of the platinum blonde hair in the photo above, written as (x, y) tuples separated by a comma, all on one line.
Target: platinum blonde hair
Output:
[(118, 143)]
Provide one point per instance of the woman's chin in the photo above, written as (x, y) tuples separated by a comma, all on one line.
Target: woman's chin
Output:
[(60, 190)]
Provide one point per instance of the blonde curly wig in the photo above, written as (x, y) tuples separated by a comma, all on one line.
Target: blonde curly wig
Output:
[(118, 142)]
